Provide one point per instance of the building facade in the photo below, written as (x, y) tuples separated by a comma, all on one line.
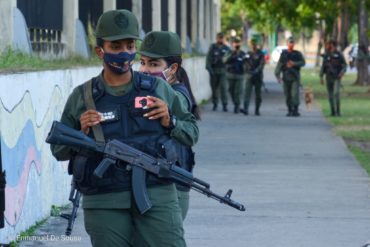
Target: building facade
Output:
[(63, 27)]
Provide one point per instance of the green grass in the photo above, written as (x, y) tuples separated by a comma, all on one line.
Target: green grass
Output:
[(354, 124), (355, 100), (55, 211), (356, 135), (29, 232), (362, 156), (11, 61)]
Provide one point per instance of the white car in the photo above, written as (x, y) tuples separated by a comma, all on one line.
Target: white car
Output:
[(275, 55)]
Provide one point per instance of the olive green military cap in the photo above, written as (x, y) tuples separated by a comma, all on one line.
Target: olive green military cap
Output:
[(220, 34), (290, 39), (254, 40), (117, 24), (158, 44), (237, 40)]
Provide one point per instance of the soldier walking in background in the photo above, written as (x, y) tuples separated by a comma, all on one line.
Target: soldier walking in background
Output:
[(289, 64), (216, 69), (255, 62), (334, 66), (234, 61)]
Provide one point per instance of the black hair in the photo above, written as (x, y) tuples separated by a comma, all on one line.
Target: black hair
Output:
[(182, 77), (332, 42), (220, 35), (99, 42)]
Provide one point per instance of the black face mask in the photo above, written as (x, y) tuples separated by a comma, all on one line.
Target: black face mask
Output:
[(219, 42), (237, 47)]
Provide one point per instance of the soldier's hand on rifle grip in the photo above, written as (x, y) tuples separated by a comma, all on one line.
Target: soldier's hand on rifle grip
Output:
[(89, 118)]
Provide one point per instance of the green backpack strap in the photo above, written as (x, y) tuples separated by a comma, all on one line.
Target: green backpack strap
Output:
[(90, 105)]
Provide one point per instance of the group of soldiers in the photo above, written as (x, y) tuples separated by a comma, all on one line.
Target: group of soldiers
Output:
[(229, 68), (154, 111), (232, 69)]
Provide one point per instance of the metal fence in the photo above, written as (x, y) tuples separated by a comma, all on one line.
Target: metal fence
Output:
[(45, 24)]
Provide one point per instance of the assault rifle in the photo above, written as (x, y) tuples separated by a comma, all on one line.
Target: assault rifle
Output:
[(74, 197), (140, 162)]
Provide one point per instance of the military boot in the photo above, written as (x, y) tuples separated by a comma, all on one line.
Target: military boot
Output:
[(332, 109), (236, 109), (257, 109), (295, 112), (245, 110), (338, 109), (214, 107), (224, 107), (290, 112)]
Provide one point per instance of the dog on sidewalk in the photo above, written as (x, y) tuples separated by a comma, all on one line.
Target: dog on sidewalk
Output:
[(308, 98)]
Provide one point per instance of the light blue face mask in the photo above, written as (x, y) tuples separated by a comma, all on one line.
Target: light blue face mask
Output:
[(163, 74), (119, 63)]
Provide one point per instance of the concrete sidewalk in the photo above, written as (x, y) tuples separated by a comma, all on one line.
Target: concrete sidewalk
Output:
[(299, 183)]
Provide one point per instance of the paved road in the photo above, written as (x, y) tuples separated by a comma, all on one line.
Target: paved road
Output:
[(300, 184)]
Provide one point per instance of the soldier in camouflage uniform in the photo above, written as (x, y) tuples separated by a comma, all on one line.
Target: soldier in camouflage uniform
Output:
[(217, 72), (235, 72), (334, 66), (289, 64), (255, 62)]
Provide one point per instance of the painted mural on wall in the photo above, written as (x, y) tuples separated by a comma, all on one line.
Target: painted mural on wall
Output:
[(35, 180)]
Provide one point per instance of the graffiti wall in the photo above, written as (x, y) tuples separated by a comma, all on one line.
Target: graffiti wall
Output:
[(29, 102)]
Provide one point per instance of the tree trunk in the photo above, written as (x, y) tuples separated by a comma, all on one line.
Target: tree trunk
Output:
[(342, 25), (320, 44), (245, 31), (363, 44), (246, 26)]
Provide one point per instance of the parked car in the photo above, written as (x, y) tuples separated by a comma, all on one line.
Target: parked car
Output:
[(275, 55)]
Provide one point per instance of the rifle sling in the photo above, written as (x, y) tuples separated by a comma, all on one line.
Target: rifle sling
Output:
[(90, 105)]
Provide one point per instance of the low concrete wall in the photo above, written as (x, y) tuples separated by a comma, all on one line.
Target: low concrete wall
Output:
[(29, 102)]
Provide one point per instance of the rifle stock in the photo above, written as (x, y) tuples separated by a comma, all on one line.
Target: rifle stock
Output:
[(115, 150)]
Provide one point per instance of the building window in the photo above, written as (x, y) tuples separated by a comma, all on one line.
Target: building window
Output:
[(89, 12), (45, 24)]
